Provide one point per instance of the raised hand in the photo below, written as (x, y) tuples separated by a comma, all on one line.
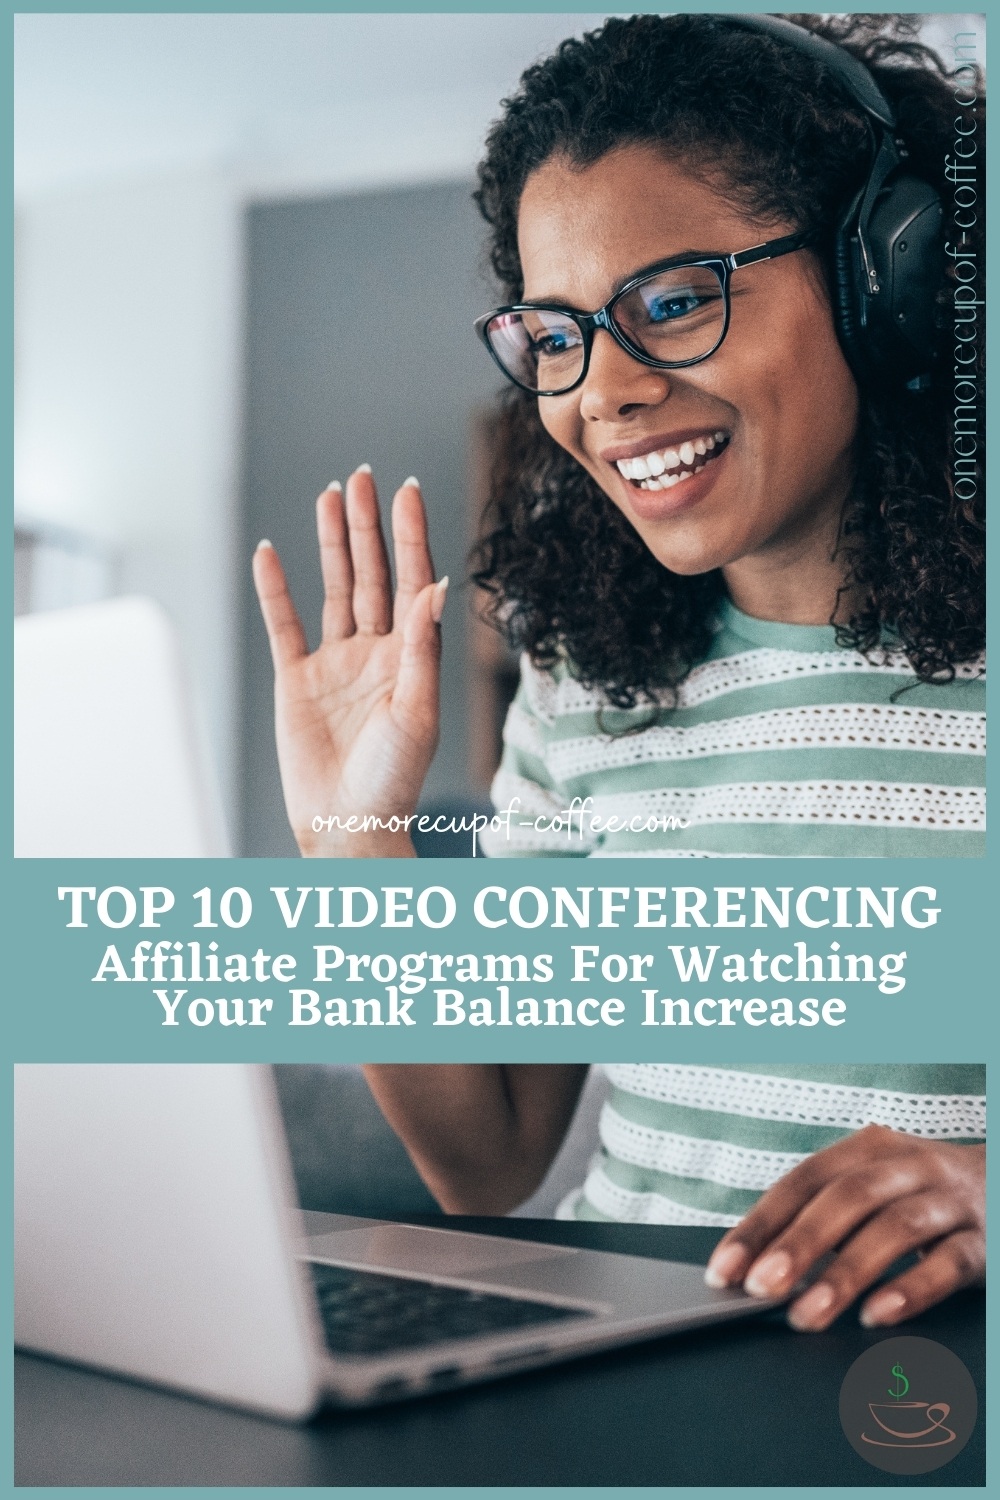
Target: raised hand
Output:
[(356, 720)]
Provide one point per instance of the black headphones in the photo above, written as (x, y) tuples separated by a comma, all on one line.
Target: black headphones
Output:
[(888, 252)]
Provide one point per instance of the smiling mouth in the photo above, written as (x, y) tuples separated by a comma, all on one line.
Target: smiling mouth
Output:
[(664, 467)]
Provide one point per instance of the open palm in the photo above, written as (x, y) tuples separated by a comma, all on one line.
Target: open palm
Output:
[(356, 720)]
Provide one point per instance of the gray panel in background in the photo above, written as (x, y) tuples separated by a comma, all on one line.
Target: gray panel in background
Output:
[(359, 349), (345, 1157)]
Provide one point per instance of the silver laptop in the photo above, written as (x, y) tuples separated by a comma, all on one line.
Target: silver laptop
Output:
[(157, 1236)]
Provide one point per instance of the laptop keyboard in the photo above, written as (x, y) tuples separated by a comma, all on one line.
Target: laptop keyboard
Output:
[(365, 1312)]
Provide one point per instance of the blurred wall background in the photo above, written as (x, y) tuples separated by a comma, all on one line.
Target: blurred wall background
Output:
[(222, 223), (359, 312), (200, 202)]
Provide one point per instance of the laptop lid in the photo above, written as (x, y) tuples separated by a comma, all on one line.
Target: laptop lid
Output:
[(154, 1222)]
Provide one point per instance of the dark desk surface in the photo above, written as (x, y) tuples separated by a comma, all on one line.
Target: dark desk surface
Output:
[(747, 1403)]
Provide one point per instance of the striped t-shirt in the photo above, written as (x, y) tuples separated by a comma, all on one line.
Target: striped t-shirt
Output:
[(780, 743), (695, 1145)]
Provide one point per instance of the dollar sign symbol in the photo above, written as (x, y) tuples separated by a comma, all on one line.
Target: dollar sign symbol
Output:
[(898, 1393)]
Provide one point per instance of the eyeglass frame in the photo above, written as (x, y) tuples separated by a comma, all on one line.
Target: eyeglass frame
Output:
[(588, 323)]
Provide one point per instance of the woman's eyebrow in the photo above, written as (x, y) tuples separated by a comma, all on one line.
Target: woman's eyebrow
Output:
[(682, 257), (664, 262)]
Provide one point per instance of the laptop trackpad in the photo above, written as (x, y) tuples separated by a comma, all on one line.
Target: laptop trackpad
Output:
[(442, 1252)]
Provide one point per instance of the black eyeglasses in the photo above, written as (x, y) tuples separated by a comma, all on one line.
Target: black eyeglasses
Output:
[(674, 314)]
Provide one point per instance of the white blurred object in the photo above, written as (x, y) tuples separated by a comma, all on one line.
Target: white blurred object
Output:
[(107, 760)]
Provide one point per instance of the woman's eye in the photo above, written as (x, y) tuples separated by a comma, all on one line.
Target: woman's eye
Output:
[(665, 309), (549, 345)]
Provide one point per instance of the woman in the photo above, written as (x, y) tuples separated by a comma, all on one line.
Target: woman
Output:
[(749, 596), (712, 537)]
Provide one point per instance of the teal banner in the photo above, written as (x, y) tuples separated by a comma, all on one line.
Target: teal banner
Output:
[(504, 960)]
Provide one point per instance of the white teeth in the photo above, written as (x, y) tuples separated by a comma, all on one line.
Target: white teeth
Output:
[(667, 481), (657, 470)]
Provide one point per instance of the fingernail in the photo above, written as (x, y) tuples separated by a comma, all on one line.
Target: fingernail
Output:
[(884, 1307), (335, 484), (437, 600), (726, 1265), (768, 1275), (363, 469), (810, 1311), (413, 480), (264, 543)]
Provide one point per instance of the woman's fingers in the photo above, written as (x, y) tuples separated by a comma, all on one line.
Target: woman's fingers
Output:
[(737, 1251), (357, 585), (781, 1205), (870, 1199), (335, 564), (903, 1226), (825, 1222), (284, 628), (414, 568), (958, 1261), (415, 698), (357, 590), (372, 597)]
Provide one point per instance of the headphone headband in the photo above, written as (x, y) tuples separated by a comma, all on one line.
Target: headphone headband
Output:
[(844, 65), (888, 252)]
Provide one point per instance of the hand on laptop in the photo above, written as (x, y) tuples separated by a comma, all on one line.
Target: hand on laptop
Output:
[(356, 720), (871, 1198)]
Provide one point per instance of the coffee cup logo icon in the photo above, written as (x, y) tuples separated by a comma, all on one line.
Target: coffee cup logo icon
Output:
[(908, 1405), (915, 1424)]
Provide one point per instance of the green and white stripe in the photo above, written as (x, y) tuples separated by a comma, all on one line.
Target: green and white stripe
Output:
[(780, 743), (683, 1144)]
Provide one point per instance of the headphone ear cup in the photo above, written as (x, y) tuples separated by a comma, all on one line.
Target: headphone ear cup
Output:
[(892, 334), (848, 294), (906, 242)]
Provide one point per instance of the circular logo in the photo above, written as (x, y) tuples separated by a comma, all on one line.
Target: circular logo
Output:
[(908, 1405)]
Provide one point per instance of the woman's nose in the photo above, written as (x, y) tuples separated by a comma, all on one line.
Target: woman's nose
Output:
[(617, 383)]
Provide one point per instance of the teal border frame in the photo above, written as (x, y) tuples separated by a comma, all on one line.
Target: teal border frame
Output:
[(35, 1041)]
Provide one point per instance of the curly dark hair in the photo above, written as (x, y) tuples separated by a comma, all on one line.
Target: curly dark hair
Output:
[(568, 577)]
